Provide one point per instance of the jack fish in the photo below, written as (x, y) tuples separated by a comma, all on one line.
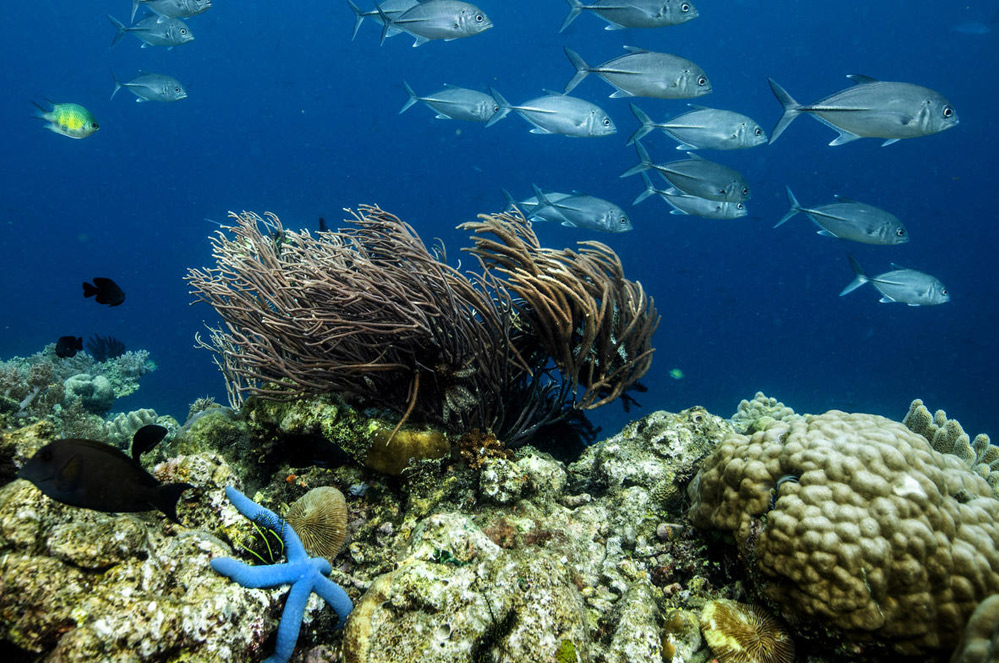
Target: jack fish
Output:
[(848, 219), (906, 286), (872, 109), (390, 7), (696, 176), (172, 8), (435, 19), (456, 103), (686, 204), (576, 210), (152, 87), (558, 114), (643, 73), (622, 14), (154, 31), (704, 129)]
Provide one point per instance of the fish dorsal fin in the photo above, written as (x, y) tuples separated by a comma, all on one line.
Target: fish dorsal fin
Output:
[(634, 49), (895, 265), (554, 93), (699, 107), (695, 157), (886, 300), (844, 199), (146, 438), (860, 79)]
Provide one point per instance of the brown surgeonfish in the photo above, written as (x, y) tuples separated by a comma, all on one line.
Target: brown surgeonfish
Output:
[(97, 476)]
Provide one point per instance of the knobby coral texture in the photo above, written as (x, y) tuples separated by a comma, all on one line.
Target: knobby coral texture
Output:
[(854, 522), (370, 310)]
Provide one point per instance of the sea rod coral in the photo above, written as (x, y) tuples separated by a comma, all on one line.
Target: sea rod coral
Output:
[(370, 310)]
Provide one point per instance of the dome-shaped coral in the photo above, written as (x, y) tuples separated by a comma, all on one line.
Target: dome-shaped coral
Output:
[(320, 519), (744, 633)]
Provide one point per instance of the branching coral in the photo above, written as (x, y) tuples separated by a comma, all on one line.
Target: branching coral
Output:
[(370, 310)]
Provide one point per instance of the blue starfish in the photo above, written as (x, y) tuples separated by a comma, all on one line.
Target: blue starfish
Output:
[(304, 574)]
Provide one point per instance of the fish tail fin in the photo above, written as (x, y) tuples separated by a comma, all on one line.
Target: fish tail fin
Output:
[(121, 27), (575, 7), (504, 107), (166, 499), (791, 109), (859, 280), (582, 69), (89, 289), (117, 84), (649, 189), (646, 162), (795, 207), (412, 98), (386, 22), (642, 130), (509, 199), (540, 195), (135, 8), (358, 18)]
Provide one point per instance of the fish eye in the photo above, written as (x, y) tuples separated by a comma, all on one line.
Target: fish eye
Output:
[(606, 121), (948, 111), (745, 190), (685, 7), (183, 31), (943, 291), (900, 232), (495, 109), (478, 18), (95, 125), (624, 220), (740, 206), (702, 80), (758, 131)]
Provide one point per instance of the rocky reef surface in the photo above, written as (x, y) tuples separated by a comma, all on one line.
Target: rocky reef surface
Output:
[(662, 542)]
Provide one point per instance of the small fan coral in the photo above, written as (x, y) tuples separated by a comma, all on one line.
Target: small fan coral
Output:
[(320, 520), (743, 633)]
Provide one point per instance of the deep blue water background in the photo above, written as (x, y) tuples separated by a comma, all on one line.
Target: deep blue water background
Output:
[(287, 114)]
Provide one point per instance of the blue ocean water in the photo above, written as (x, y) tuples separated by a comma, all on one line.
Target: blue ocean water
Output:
[(286, 113)]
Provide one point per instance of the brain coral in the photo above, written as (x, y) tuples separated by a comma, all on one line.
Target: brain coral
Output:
[(855, 522)]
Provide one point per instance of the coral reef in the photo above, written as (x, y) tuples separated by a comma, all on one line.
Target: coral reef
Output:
[(879, 536), (980, 642), (759, 413), (947, 436), (74, 392)]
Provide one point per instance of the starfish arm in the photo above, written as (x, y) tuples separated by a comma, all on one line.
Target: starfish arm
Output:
[(333, 594), (258, 514), (291, 621), (254, 577)]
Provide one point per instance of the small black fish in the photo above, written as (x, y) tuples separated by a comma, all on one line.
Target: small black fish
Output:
[(68, 346), (322, 225), (146, 438), (95, 475), (106, 290)]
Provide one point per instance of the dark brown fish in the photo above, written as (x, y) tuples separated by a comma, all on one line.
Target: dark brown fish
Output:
[(95, 475), (68, 346), (105, 290)]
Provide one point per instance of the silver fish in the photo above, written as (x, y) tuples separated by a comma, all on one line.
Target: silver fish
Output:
[(848, 219), (152, 87), (436, 19), (580, 211), (704, 129), (558, 114), (643, 73), (154, 31), (634, 13), (390, 7), (906, 286), (872, 109), (696, 176), (456, 103), (172, 8), (534, 210), (686, 204)]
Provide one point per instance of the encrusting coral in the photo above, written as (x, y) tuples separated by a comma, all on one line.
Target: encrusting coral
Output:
[(980, 642), (853, 522)]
